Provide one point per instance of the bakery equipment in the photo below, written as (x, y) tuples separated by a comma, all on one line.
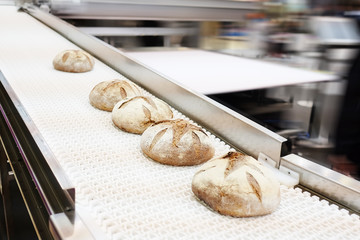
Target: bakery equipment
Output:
[(149, 10), (68, 147)]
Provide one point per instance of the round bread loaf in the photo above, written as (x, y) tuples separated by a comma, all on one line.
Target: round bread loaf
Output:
[(76, 61), (176, 142), (138, 113), (237, 185), (106, 94)]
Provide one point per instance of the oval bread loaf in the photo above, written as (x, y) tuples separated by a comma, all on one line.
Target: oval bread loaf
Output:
[(138, 113), (106, 94), (176, 142), (75, 61), (237, 185)]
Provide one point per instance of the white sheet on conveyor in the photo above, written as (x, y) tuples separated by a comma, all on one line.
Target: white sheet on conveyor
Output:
[(127, 195), (211, 73)]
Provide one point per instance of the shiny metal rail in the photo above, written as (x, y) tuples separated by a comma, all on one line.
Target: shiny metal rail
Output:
[(325, 182), (137, 31), (185, 10), (40, 142), (233, 128), (45, 188)]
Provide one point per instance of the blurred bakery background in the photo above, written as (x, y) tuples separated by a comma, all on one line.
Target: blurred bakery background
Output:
[(317, 35), (218, 47)]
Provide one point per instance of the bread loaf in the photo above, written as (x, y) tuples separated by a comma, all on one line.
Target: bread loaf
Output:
[(106, 94), (138, 113), (237, 185), (76, 61), (176, 142)]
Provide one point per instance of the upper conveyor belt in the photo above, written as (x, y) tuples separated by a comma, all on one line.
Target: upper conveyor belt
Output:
[(212, 73), (128, 195)]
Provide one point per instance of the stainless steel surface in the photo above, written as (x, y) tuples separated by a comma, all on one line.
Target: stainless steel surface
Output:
[(63, 229), (63, 225), (325, 114), (232, 127), (137, 31), (323, 28), (6, 2), (154, 10), (110, 34), (324, 181), (147, 217), (59, 173)]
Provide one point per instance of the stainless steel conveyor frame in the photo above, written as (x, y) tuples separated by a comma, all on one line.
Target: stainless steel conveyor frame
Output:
[(48, 194), (51, 188), (223, 122), (185, 10)]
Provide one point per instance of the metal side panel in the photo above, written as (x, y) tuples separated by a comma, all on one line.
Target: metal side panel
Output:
[(326, 182), (128, 195), (43, 184), (188, 10), (9, 98), (233, 128)]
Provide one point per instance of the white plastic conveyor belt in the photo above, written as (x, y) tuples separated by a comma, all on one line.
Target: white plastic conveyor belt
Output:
[(213, 73), (127, 195)]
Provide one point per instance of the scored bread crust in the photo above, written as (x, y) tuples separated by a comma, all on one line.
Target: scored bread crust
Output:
[(138, 113), (106, 94), (237, 185), (176, 142), (75, 61)]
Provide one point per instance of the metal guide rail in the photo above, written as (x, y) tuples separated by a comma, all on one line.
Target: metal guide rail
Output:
[(187, 10), (225, 123), (56, 194), (48, 194)]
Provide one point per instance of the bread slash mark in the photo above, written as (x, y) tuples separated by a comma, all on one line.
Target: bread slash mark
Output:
[(88, 58), (123, 93), (127, 84), (147, 113), (65, 57), (235, 162), (157, 138), (150, 102), (109, 84), (196, 143), (254, 185), (252, 166), (180, 128)]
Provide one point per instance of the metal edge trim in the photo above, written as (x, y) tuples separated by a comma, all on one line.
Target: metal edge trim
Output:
[(159, 10), (233, 128), (62, 228), (324, 181), (57, 170), (175, 3)]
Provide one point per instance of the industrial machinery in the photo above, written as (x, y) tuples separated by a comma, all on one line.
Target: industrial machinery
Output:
[(82, 178)]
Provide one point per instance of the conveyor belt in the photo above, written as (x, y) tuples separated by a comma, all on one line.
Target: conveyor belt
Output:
[(128, 195), (212, 73)]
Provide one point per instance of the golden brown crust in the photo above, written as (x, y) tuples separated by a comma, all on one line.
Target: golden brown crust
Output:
[(237, 185), (75, 61), (254, 185), (224, 202), (106, 94), (176, 142), (157, 138), (138, 113)]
